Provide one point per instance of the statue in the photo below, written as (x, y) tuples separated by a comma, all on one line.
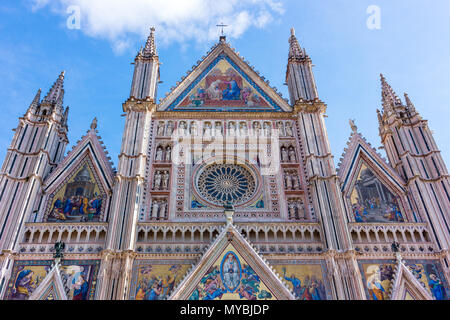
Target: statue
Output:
[(291, 206), (242, 129), (159, 154), (182, 128), (292, 157), (288, 181), (155, 209), (353, 125), (301, 210), (168, 154), (395, 246), (193, 128), (165, 181), (281, 131), (94, 124), (59, 247), (207, 129), (218, 129), (157, 180), (295, 184), (289, 131), (169, 129), (160, 128), (256, 128), (231, 128), (162, 211), (266, 127), (284, 155)]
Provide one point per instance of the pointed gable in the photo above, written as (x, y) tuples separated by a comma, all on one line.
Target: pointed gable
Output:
[(231, 269), (86, 175), (223, 82), (373, 189), (51, 288), (405, 286)]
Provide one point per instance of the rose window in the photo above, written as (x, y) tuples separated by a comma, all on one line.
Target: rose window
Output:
[(220, 183)]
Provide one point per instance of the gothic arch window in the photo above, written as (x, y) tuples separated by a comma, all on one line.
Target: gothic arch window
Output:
[(371, 201)]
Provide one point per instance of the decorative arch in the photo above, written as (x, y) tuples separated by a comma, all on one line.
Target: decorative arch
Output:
[(373, 192)]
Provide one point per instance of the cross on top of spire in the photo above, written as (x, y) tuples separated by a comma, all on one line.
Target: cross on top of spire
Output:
[(222, 36)]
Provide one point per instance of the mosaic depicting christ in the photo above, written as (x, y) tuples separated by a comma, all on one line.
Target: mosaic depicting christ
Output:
[(231, 272)]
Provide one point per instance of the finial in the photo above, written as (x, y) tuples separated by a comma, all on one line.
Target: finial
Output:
[(94, 124), (353, 125), (295, 51), (150, 47)]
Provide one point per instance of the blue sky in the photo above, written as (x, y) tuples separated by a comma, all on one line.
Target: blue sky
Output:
[(411, 49)]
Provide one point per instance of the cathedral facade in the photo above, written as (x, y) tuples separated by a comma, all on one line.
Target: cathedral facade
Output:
[(223, 190)]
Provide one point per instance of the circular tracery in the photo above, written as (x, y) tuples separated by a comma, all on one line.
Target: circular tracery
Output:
[(221, 183)]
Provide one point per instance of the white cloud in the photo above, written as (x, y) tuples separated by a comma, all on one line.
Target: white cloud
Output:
[(175, 20)]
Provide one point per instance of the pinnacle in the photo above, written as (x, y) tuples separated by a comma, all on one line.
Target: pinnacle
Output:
[(389, 97), (295, 51), (150, 47), (56, 93)]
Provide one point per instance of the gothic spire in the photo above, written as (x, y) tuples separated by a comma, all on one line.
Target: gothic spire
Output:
[(150, 46), (410, 106), (56, 93), (295, 51), (389, 97), (35, 103)]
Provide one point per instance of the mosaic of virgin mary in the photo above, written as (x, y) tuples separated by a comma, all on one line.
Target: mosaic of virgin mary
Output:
[(223, 86)]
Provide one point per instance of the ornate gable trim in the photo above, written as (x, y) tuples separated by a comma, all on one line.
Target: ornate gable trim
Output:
[(230, 235), (404, 282), (52, 285), (223, 51), (360, 150), (90, 146)]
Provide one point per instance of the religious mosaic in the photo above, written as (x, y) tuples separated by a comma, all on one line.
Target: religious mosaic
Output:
[(79, 277), (218, 184), (231, 278), (372, 201), (377, 278), (223, 86), (155, 281), (305, 280), (79, 200)]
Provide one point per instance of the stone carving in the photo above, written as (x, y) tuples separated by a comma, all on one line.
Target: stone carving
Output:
[(296, 209), (281, 130), (182, 128), (160, 129), (218, 129), (157, 180), (267, 129), (193, 128), (231, 128), (159, 154), (207, 129), (169, 129), (289, 131), (165, 180)]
